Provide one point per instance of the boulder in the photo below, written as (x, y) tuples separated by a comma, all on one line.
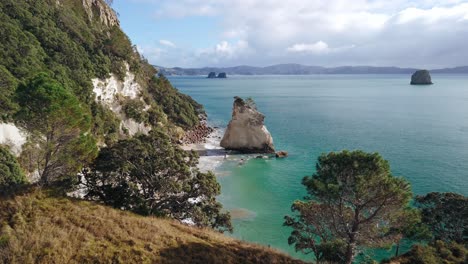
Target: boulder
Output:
[(222, 75), (212, 75), (421, 77), (246, 131), (281, 154)]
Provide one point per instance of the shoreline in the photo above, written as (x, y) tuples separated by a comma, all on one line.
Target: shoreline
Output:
[(211, 155)]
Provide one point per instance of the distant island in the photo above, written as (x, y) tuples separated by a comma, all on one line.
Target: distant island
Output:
[(213, 75), (298, 69)]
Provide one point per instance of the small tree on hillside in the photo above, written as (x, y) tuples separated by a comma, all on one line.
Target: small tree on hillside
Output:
[(58, 145), (353, 200), (150, 176), (10, 171)]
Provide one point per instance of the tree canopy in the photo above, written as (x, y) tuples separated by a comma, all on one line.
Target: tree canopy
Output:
[(58, 145), (353, 201), (150, 176), (446, 214)]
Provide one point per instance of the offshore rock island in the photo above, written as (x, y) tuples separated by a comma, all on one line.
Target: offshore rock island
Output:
[(246, 131)]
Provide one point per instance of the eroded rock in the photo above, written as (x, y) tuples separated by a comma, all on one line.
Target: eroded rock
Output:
[(246, 131)]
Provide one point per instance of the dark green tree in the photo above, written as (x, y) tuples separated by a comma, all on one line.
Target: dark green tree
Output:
[(353, 200), (150, 176), (58, 145), (446, 214), (8, 86), (10, 171)]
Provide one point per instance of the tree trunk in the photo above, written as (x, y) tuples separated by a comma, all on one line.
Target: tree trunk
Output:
[(397, 249), (350, 252)]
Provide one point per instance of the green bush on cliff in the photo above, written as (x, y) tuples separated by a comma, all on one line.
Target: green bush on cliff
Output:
[(10, 171)]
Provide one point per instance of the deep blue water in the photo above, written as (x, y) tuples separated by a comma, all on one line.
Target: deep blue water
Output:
[(421, 130)]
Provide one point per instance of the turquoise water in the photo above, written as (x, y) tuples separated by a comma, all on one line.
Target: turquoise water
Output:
[(421, 130)]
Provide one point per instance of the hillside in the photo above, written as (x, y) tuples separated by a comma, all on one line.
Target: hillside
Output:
[(80, 45), (298, 69), (38, 227)]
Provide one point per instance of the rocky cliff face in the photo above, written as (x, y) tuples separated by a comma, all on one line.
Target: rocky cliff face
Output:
[(109, 91), (246, 131), (97, 8)]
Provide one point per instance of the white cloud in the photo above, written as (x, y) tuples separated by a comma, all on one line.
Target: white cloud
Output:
[(319, 47), (224, 51), (167, 43)]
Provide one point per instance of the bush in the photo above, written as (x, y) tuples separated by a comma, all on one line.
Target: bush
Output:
[(134, 109), (10, 171)]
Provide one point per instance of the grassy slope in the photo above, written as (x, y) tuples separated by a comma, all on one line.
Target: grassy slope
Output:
[(38, 227)]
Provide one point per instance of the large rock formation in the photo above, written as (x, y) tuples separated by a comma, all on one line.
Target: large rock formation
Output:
[(222, 75), (212, 75), (246, 131), (421, 77)]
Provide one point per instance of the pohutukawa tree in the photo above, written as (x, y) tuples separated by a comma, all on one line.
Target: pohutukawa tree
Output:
[(353, 202), (148, 175)]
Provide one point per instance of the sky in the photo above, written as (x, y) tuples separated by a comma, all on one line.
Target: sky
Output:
[(192, 33)]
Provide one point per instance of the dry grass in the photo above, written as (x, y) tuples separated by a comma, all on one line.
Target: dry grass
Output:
[(37, 227)]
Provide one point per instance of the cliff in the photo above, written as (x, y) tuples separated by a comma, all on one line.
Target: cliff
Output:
[(246, 131), (83, 48)]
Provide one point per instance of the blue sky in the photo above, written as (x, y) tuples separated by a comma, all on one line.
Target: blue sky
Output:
[(193, 33)]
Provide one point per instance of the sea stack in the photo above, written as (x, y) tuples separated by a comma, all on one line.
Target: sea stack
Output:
[(222, 75), (421, 77), (246, 131), (212, 75)]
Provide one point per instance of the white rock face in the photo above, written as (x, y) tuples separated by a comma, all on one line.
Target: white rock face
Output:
[(246, 131), (13, 137), (107, 16), (108, 92)]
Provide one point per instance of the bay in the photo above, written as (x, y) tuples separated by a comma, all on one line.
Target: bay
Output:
[(421, 130)]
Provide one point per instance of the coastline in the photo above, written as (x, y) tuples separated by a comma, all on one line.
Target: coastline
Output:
[(212, 155)]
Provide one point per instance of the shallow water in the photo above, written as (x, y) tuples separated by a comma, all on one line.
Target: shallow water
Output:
[(421, 130)]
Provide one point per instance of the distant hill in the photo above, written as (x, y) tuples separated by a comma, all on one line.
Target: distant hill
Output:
[(298, 69)]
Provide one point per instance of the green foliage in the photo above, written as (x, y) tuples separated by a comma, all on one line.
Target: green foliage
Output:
[(58, 146), (134, 109), (446, 214), (61, 40), (181, 109), (8, 85), (10, 171), (434, 253), (354, 199), (150, 176)]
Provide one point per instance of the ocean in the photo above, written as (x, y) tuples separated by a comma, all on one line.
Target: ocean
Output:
[(421, 130)]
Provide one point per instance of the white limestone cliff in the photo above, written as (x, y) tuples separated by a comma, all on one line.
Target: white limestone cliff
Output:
[(110, 93)]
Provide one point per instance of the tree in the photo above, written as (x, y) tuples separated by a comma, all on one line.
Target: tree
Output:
[(8, 85), (446, 214), (353, 200), (408, 226), (148, 175), (58, 144), (10, 171)]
